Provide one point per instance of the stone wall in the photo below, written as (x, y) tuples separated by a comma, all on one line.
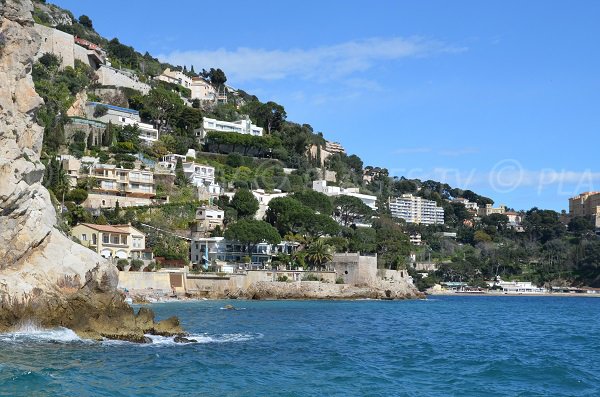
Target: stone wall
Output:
[(62, 44), (356, 269), (95, 201), (114, 77), (55, 42)]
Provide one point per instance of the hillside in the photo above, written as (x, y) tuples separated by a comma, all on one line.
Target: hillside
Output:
[(473, 244)]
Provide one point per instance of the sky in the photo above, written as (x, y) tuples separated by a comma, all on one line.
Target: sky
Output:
[(500, 97)]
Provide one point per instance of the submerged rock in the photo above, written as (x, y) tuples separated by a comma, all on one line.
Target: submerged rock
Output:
[(44, 276)]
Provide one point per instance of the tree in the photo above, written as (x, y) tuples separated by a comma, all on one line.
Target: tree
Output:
[(86, 21), (318, 254), (268, 115), (316, 200), (543, 225), (244, 203), (287, 215), (180, 178), (393, 245), (363, 240), (251, 232), (350, 209), (77, 195), (217, 77), (108, 135), (162, 105), (317, 225), (581, 224)]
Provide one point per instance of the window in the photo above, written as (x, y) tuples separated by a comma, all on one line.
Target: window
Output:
[(115, 239), (84, 237), (105, 238), (123, 239)]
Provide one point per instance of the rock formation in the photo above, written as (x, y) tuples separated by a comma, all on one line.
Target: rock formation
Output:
[(44, 276)]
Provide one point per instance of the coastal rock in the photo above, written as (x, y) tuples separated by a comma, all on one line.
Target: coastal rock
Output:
[(44, 276), (317, 290)]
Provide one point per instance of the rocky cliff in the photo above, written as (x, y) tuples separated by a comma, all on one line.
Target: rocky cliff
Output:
[(44, 276)]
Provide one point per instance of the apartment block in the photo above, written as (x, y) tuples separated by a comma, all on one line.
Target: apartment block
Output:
[(414, 209), (197, 174), (586, 204), (122, 181), (175, 77), (322, 187), (207, 250), (243, 126)]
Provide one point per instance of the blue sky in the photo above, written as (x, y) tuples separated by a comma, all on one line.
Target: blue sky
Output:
[(502, 97)]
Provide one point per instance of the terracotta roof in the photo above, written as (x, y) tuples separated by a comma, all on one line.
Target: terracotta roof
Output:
[(105, 228)]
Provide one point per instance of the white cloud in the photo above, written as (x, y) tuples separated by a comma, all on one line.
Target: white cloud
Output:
[(322, 63)]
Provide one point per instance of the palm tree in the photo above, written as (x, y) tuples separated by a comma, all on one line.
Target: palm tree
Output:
[(318, 253)]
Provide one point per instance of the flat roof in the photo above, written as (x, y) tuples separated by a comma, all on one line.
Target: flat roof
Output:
[(113, 107)]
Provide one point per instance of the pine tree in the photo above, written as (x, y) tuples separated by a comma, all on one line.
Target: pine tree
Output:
[(107, 137), (180, 179)]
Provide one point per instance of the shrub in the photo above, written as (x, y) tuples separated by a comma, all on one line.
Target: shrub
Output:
[(121, 263), (339, 280), (310, 277), (100, 110), (136, 264), (282, 278), (77, 195)]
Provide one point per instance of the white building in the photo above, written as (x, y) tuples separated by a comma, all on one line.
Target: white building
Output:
[(414, 209), (203, 90), (321, 186), (468, 205), (121, 117), (243, 126), (232, 252), (175, 77), (518, 287), (197, 174)]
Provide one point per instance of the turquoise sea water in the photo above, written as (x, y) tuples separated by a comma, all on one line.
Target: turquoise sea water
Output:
[(444, 346)]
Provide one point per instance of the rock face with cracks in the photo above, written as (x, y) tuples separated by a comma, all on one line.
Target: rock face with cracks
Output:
[(44, 276)]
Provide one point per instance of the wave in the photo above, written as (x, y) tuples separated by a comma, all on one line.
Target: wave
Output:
[(31, 332), (203, 338)]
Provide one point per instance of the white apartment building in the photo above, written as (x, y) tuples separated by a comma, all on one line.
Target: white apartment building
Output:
[(243, 126), (468, 205), (334, 147), (321, 186), (414, 209), (122, 181), (197, 174), (175, 77), (203, 90), (121, 117)]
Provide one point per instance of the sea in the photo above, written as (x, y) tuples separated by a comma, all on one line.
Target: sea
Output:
[(441, 346)]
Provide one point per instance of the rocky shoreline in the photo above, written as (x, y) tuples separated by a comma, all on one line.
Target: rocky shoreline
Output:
[(286, 291), (45, 278)]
